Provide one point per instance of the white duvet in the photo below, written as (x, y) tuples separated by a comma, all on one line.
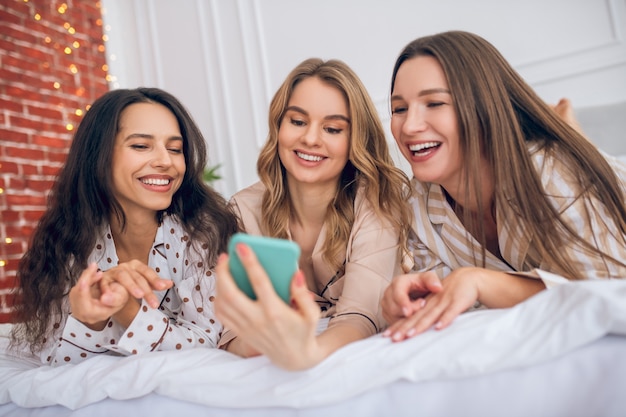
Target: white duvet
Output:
[(546, 326)]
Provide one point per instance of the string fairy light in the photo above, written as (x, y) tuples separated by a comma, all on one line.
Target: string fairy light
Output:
[(69, 50)]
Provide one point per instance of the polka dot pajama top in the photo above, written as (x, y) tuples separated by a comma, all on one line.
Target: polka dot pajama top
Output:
[(184, 319)]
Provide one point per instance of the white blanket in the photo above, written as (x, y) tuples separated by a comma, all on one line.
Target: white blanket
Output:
[(544, 327)]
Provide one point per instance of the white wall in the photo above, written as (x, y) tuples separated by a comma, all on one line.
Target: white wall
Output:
[(225, 58)]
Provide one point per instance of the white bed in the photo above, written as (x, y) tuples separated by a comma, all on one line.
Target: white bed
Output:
[(560, 353)]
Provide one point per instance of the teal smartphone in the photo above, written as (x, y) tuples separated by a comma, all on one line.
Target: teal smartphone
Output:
[(279, 258)]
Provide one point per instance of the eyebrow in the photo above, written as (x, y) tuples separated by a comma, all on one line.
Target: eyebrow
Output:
[(148, 136), (329, 117), (425, 93)]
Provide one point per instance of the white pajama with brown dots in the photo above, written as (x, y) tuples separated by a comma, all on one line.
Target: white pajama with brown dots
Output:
[(184, 319)]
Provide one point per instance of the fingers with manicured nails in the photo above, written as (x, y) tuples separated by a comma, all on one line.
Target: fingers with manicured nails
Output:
[(430, 282), (392, 311), (233, 308), (419, 323), (259, 280), (405, 296), (302, 300), (113, 294), (151, 281), (397, 301), (139, 280), (84, 299)]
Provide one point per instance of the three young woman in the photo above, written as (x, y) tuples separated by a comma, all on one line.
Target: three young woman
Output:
[(502, 186)]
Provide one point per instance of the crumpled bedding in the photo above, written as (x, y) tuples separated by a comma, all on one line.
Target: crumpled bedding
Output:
[(546, 326)]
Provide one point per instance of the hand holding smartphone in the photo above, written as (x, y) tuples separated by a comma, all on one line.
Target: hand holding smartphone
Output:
[(279, 258)]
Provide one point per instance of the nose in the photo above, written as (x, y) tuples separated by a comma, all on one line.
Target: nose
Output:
[(415, 121), (311, 135), (161, 157)]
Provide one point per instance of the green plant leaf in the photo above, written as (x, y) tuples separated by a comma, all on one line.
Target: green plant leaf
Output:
[(210, 174)]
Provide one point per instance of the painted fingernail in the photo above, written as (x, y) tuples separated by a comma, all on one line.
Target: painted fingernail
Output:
[(411, 333), (406, 312), (299, 278), (438, 325), (386, 333), (422, 302), (242, 250)]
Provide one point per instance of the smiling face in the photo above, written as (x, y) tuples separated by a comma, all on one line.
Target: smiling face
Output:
[(148, 162), (424, 122), (314, 134)]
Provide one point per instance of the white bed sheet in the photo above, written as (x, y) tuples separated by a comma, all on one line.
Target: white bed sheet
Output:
[(562, 352)]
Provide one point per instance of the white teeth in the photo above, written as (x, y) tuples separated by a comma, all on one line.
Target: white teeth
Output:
[(155, 181), (308, 157), (421, 146)]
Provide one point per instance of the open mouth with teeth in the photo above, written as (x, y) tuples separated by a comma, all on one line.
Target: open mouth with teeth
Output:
[(307, 157), (155, 181), (421, 149)]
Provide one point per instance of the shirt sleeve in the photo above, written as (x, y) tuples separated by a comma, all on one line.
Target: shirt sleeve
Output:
[(371, 262), (184, 320), (586, 215), (78, 342), (425, 260)]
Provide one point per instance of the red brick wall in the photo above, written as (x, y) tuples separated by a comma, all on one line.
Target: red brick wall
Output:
[(52, 66)]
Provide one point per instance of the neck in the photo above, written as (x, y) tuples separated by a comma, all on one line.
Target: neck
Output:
[(310, 202), (468, 201), (135, 241)]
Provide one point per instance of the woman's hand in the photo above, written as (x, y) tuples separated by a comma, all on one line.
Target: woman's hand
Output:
[(139, 280), (406, 295), (460, 290), (90, 304), (287, 335), (458, 293)]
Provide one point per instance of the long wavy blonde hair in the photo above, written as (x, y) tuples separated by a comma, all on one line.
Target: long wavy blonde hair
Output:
[(369, 164)]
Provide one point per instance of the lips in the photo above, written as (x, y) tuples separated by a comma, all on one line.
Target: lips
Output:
[(309, 157), (155, 181), (424, 148)]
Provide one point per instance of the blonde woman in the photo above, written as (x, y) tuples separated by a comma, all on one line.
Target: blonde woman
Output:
[(329, 184)]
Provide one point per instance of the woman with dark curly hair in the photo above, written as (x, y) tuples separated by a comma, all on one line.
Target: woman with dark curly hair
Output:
[(121, 262)]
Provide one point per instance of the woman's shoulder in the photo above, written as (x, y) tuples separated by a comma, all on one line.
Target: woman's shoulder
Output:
[(248, 204), (252, 193), (550, 162), (364, 209)]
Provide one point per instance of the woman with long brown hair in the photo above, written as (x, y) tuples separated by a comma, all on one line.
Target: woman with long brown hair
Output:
[(502, 186)]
